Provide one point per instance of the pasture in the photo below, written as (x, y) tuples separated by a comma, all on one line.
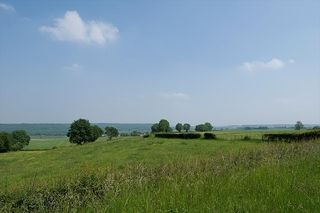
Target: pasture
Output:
[(135, 174)]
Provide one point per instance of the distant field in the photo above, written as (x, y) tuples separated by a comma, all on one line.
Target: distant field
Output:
[(46, 142), (135, 174)]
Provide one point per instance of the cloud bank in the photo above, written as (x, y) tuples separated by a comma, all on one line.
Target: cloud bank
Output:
[(73, 28)]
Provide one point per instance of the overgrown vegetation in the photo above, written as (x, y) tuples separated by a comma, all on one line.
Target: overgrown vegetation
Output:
[(269, 178)]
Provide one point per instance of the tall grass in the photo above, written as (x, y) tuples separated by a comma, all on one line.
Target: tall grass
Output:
[(272, 178)]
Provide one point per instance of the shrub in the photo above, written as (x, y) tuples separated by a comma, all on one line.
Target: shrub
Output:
[(209, 135), (292, 137), (178, 135), (146, 135), (246, 138)]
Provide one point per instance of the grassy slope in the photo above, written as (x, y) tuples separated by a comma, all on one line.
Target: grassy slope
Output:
[(169, 175)]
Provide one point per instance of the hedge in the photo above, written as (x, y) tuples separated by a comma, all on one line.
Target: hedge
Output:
[(178, 135), (292, 137), (209, 135)]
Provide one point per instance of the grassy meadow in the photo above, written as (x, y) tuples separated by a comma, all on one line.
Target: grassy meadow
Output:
[(135, 174)]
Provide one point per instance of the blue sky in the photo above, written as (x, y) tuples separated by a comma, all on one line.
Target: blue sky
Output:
[(226, 62)]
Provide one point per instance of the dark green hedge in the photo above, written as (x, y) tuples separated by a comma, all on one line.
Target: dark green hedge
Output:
[(178, 135), (209, 135), (292, 137)]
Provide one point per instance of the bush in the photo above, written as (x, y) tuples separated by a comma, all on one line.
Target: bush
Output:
[(246, 138), (178, 135), (292, 137), (209, 135), (146, 135)]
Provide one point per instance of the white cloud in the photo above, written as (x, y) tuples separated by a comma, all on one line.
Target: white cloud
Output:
[(273, 64), (73, 67), (7, 7), (72, 28), (177, 96)]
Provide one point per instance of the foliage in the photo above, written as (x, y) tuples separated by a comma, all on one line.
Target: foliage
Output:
[(298, 125), (155, 128), (246, 138), (209, 135), (179, 127), (5, 141), (292, 137), (13, 141), (96, 132), (204, 127), (162, 126), (178, 135), (111, 132), (186, 127), (80, 132)]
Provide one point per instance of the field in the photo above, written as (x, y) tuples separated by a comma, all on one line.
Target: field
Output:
[(135, 174)]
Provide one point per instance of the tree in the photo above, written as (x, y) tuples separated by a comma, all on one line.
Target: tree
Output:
[(179, 127), (5, 141), (164, 126), (155, 128), (111, 132), (20, 139), (298, 125), (201, 128), (96, 132), (80, 132), (186, 127), (208, 126)]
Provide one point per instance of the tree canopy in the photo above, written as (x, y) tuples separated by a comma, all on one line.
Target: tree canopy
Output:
[(81, 132), (179, 127), (204, 127), (186, 127), (298, 125), (111, 132)]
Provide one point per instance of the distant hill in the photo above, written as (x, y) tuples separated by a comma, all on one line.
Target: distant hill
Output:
[(62, 129)]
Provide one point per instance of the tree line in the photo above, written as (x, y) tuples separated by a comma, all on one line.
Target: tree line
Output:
[(164, 126)]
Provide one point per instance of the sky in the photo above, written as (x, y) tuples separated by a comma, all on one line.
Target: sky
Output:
[(225, 62)]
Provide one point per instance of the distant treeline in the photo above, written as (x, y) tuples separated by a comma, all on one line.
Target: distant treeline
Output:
[(62, 129)]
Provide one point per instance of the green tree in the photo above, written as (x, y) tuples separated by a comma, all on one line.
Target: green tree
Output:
[(209, 127), (186, 127), (80, 132), (96, 132), (5, 141), (298, 125), (155, 128), (201, 128), (111, 132), (20, 139), (179, 127), (164, 126)]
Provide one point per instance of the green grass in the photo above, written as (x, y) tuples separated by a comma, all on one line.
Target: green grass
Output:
[(45, 142), (134, 174)]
